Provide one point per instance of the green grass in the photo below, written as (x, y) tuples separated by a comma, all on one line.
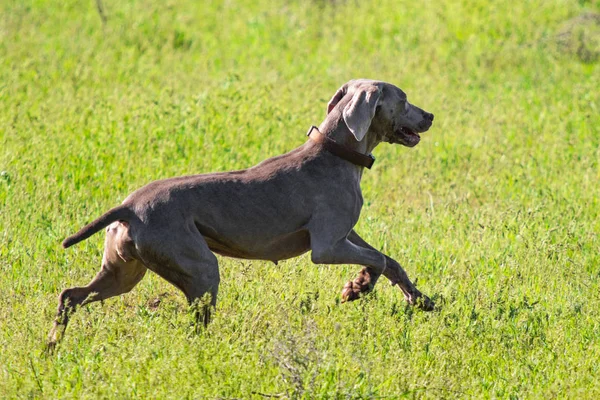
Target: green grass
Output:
[(495, 213)]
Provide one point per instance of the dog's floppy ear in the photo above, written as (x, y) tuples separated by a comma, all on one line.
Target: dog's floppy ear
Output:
[(341, 92), (360, 110)]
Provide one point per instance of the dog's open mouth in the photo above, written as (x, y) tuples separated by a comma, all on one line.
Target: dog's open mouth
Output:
[(408, 132), (407, 136)]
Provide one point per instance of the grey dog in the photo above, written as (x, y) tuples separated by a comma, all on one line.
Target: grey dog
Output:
[(307, 199)]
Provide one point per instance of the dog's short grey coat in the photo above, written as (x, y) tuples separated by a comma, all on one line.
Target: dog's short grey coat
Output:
[(307, 199)]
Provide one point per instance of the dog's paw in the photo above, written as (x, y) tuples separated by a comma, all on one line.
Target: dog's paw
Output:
[(353, 289), (422, 302), (50, 348), (350, 292)]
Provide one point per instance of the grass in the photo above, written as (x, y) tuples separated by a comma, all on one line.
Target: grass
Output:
[(495, 213)]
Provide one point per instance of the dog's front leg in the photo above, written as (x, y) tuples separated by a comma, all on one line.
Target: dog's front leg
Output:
[(394, 272), (345, 251)]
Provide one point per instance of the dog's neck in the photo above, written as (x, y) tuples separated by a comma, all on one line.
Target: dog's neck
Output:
[(340, 150)]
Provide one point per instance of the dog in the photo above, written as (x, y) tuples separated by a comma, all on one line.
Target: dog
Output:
[(306, 200)]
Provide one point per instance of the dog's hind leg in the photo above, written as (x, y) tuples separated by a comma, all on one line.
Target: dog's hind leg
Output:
[(184, 260), (119, 274)]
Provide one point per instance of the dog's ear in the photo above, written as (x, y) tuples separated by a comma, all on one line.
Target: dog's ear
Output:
[(360, 110), (341, 92)]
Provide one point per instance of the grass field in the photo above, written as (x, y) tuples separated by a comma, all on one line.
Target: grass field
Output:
[(495, 213)]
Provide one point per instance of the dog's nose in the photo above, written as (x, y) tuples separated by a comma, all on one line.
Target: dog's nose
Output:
[(428, 116)]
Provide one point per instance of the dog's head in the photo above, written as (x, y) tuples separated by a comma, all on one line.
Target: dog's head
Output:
[(380, 109)]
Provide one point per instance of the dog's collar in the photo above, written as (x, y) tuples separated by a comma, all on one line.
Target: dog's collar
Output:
[(363, 160)]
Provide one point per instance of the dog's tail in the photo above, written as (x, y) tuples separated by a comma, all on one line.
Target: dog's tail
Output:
[(121, 212)]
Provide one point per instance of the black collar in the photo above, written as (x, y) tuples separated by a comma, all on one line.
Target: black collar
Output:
[(363, 160)]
